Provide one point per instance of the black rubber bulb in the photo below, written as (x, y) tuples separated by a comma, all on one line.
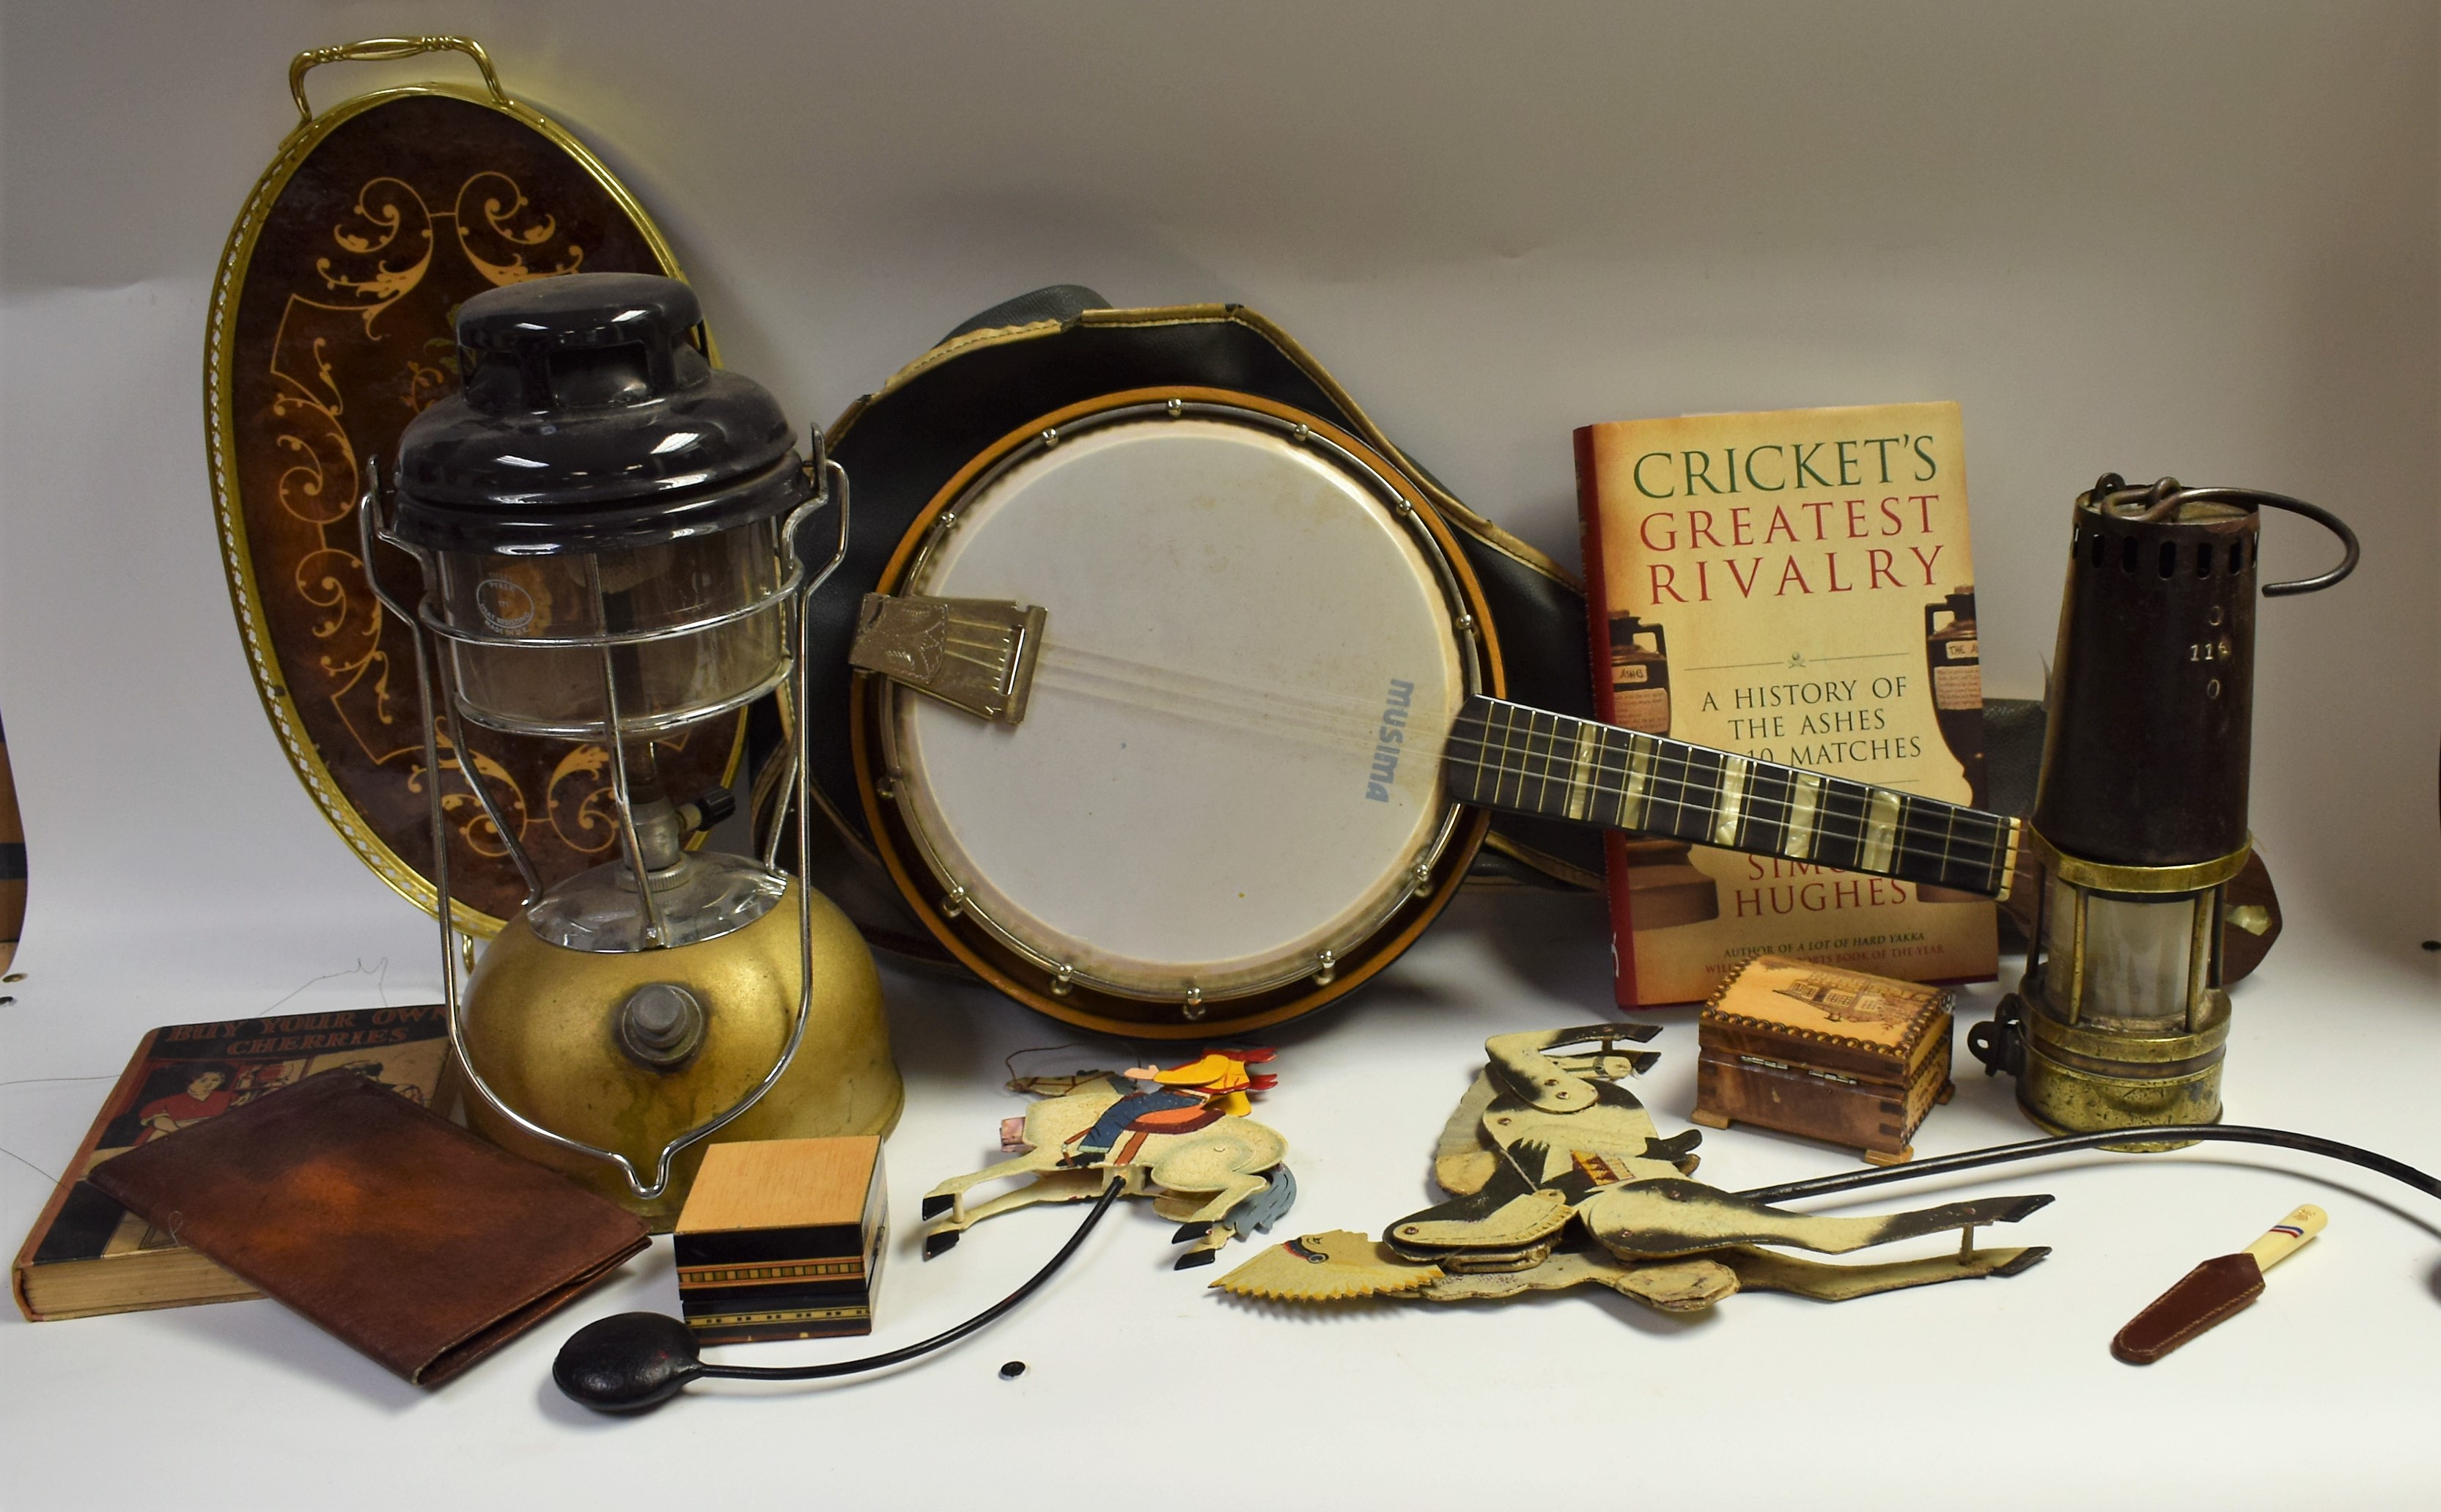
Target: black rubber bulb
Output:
[(641, 1359), (627, 1363)]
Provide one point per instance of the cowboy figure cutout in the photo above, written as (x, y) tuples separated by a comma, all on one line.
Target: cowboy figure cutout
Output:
[(1178, 1101), (1181, 1137)]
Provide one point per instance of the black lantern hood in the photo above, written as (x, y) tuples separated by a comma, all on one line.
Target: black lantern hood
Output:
[(586, 420)]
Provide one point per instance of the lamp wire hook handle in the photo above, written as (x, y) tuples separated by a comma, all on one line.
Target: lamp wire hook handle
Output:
[(2160, 500)]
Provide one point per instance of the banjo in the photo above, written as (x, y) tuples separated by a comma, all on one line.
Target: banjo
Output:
[(1179, 713)]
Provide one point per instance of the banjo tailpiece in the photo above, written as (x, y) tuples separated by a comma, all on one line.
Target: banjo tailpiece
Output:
[(973, 654)]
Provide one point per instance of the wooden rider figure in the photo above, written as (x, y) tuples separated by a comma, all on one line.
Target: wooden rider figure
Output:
[(1217, 1084)]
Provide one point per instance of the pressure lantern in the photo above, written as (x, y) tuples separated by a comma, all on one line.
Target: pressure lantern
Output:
[(609, 530)]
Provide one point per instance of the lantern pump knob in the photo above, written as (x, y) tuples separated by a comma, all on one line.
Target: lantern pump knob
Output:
[(616, 338)]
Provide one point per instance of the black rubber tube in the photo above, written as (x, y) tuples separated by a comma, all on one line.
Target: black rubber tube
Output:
[(939, 1340), (2034, 1149)]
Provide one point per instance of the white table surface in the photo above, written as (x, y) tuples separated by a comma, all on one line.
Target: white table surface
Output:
[(1141, 1380), (2201, 239)]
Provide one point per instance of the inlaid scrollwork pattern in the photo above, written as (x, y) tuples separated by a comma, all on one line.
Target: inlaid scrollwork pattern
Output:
[(383, 209), (581, 802), (332, 329), (504, 222), (462, 810)]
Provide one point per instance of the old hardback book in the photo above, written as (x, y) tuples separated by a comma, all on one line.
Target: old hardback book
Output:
[(1839, 1055), (1797, 587), (783, 1239), (400, 1232), (88, 1254)]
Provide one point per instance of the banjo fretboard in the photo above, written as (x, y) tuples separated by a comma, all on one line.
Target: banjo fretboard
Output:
[(1506, 756)]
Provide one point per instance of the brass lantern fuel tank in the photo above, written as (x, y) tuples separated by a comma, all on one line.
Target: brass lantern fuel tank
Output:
[(696, 1027)]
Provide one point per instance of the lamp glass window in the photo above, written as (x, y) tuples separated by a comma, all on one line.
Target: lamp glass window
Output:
[(2136, 960), (662, 683)]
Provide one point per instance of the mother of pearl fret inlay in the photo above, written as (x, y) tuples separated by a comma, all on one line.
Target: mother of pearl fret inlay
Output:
[(1581, 776), (1881, 831), (1639, 783), (1802, 806), (1733, 797)]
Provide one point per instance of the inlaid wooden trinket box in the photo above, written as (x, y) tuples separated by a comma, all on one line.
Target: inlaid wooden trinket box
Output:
[(1838, 1055), (783, 1239)]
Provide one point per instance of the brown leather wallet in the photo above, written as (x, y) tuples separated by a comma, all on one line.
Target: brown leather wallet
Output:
[(390, 1226)]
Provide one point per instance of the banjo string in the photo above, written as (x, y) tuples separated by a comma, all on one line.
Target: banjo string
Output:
[(1259, 692), (1265, 710), (1323, 722), (1826, 825)]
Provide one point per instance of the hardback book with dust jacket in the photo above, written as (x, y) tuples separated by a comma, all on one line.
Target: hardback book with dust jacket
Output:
[(88, 1254), (1795, 586)]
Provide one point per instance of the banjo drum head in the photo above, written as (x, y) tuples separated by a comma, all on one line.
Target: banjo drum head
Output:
[(1226, 784)]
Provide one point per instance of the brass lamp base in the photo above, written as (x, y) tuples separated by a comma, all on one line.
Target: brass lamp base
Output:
[(2077, 1079), (544, 1024)]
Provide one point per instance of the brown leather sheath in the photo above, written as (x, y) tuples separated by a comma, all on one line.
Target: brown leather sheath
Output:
[(388, 1225), (2209, 1293)]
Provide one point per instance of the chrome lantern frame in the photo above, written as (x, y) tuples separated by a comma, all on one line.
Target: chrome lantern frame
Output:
[(787, 599)]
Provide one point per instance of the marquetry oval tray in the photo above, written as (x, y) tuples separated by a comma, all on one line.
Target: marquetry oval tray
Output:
[(332, 322)]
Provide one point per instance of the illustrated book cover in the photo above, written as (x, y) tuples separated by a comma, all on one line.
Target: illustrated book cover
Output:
[(88, 1254), (1795, 586)]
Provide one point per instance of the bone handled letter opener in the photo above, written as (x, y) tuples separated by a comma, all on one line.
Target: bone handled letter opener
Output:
[(2214, 1290)]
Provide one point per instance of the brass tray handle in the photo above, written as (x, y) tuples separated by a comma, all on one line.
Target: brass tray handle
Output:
[(388, 49)]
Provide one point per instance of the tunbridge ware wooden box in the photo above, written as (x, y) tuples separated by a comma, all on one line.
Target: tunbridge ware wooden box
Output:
[(1839, 1055), (783, 1239)]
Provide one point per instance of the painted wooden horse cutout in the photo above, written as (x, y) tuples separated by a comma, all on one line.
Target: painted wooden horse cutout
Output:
[(1558, 1177), (1208, 1168)]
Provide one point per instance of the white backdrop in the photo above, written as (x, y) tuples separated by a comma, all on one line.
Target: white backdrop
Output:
[(2202, 239)]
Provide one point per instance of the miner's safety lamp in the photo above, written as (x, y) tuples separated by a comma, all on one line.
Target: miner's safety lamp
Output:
[(2140, 820)]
